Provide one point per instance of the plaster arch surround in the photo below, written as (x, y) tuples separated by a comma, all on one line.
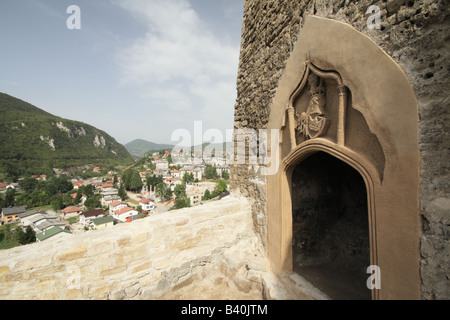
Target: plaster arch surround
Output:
[(380, 108)]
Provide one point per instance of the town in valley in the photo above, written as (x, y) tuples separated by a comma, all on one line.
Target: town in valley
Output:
[(42, 208)]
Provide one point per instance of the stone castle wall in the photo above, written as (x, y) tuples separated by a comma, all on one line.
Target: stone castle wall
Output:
[(415, 34), (206, 252)]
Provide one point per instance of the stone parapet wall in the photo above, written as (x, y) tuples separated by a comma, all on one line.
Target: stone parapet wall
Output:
[(206, 252), (415, 34)]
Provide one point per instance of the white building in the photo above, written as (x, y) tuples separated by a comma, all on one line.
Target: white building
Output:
[(147, 205), (195, 192), (44, 222), (162, 164), (109, 195), (197, 172), (88, 216), (124, 214), (25, 218), (221, 169), (117, 205)]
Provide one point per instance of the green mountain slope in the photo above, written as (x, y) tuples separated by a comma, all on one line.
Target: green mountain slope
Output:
[(140, 147), (34, 141)]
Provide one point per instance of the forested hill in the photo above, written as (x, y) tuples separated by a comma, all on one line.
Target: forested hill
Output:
[(33, 141), (139, 147)]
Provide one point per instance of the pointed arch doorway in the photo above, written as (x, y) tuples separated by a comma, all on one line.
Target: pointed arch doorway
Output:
[(328, 219), (330, 226)]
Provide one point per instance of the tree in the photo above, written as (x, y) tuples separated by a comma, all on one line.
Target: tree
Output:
[(77, 198), (181, 199), (122, 192), (154, 180), (188, 177), (210, 172), (28, 184), (57, 203), (9, 198), (58, 185), (126, 177), (221, 186), (180, 189), (93, 202), (12, 171), (131, 180), (225, 174), (88, 190), (135, 181), (206, 195), (29, 236), (163, 191), (7, 233)]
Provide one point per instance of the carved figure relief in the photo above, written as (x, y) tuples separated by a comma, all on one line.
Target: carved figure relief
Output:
[(313, 123)]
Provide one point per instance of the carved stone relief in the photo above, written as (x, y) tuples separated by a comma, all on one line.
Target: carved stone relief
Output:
[(313, 123)]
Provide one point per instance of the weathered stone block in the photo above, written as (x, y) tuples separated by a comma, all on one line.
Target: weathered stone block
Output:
[(162, 263), (4, 269), (73, 253), (98, 248), (113, 270), (141, 267), (102, 292), (124, 242), (142, 237), (32, 263)]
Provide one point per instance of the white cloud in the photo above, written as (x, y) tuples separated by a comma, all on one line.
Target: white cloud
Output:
[(172, 98), (176, 45), (179, 63)]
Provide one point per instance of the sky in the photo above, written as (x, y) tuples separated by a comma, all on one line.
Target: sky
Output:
[(137, 69)]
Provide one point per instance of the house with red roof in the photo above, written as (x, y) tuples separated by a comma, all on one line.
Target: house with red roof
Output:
[(124, 213), (175, 173), (71, 211), (82, 199), (168, 181), (107, 185), (78, 185), (117, 205), (147, 205)]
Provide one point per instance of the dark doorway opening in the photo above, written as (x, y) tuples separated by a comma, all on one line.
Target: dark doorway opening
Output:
[(330, 238)]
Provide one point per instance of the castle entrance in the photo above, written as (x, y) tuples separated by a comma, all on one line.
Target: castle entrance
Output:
[(346, 195), (330, 226)]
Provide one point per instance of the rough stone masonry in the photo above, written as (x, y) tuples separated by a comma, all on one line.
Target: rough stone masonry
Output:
[(207, 252), (416, 35)]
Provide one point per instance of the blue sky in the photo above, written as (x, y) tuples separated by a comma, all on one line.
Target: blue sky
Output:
[(135, 69)]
